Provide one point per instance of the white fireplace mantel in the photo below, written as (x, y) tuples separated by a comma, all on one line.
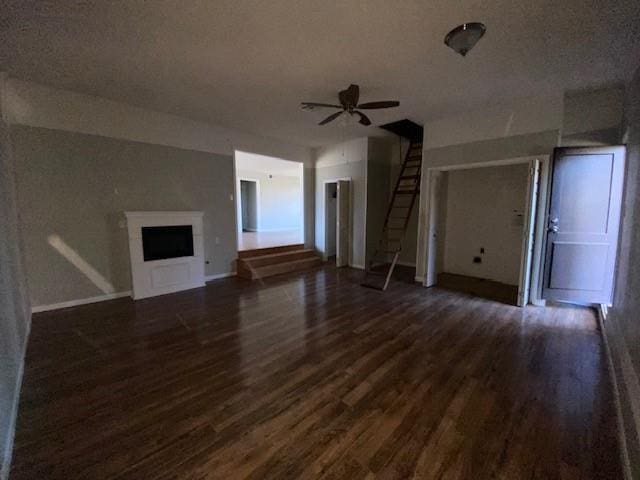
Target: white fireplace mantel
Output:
[(157, 277)]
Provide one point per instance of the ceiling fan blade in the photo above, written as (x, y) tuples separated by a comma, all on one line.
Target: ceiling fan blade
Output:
[(349, 97), (331, 117), (311, 105), (354, 93), (364, 120), (373, 105)]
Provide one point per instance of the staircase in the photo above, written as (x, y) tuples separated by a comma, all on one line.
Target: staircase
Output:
[(267, 262), (378, 271)]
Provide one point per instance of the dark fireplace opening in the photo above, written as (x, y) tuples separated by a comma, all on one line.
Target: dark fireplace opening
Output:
[(159, 243)]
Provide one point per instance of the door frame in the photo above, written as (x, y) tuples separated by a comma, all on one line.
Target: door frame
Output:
[(239, 203), (235, 197), (530, 275), (324, 216)]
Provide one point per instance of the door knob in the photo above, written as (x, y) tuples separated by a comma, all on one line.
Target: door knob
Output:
[(553, 228), (554, 220)]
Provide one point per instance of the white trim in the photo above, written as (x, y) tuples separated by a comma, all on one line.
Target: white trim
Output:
[(622, 439), (323, 206), (528, 233), (359, 267), (217, 276), (82, 301), (490, 163), (239, 226), (335, 180), (302, 226), (418, 279), (603, 311)]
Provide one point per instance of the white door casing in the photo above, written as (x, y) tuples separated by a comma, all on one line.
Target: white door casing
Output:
[(343, 227)]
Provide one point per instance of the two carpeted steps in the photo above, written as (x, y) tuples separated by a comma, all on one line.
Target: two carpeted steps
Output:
[(267, 262)]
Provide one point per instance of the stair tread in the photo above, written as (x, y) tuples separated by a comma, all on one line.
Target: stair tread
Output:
[(290, 262), (284, 267), (278, 255), (257, 252)]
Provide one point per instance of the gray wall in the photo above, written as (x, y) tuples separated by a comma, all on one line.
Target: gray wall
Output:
[(482, 211), (76, 186), (344, 160), (280, 200), (15, 314), (309, 187), (623, 324), (379, 155)]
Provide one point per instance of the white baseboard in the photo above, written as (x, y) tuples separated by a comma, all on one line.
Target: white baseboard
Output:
[(82, 301), (216, 276), (419, 279), (622, 441), (359, 267), (108, 296)]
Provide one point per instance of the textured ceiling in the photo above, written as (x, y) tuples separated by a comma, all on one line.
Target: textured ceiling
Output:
[(248, 64)]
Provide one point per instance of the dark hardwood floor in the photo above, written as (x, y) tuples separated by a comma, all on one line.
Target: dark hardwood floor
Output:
[(481, 287), (312, 376)]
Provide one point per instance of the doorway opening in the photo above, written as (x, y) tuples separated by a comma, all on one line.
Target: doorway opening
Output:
[(249, 205), (481, 228), (331, 219), (270, 201), (337, 222)]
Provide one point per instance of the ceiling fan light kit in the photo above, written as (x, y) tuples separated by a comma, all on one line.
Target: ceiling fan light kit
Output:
[(349, 104), (464, 37)]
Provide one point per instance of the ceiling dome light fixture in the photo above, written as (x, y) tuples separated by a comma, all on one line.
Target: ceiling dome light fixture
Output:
[(464, 37)]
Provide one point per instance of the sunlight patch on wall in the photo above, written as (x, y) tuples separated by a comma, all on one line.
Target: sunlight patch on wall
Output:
[(80, 263)]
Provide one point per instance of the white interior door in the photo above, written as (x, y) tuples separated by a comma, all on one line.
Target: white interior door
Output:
[(583, 224), (527, 233), (342, 228)]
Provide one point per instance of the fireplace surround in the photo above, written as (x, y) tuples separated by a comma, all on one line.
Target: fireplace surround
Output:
[(166, 250)]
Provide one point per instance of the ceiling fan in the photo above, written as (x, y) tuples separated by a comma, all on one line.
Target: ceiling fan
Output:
[(348, 104)]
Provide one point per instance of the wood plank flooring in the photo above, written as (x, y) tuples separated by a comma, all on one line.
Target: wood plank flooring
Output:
[(480, 287), (312, 376)]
